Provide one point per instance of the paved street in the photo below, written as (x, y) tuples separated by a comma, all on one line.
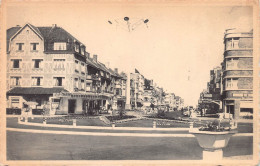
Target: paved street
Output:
[(75, 147), (39, 146)]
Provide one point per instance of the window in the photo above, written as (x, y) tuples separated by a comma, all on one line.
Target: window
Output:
[(76, 83), (82, 84), (82, 50), (34, 46), (76, 47), (102, 73), (15, 102), (88, 86), (231, 84), (232, 43), (37, 81), (59, 64), (217, 85), (60, 46), (117, 92), (19, 46), (15, 81), (37, 63), (77, 66), (231, 63), (16, 63), (58, 81)]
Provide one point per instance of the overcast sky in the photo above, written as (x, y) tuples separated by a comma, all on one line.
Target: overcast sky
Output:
[(178, 39)]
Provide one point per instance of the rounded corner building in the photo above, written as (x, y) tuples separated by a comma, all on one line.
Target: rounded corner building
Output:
[(238, 73)]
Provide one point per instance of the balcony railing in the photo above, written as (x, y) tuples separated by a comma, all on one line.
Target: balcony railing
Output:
[(95, 77)]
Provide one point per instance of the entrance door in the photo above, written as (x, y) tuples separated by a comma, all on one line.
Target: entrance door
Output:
[(72, 106), (230, 109)]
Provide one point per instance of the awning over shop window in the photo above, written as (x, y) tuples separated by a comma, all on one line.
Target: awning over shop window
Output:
[(34, 91)]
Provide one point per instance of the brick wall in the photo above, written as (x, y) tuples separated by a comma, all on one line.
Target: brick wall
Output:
[(245, 43), (239, 53), (238, 73), (245, 63), (245, 83)]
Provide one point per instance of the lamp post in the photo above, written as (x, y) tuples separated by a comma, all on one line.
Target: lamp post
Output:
[(131, 24), (128, 24)]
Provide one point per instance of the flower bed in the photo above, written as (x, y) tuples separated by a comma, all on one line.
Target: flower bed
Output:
[(216, 126), (117, 117)]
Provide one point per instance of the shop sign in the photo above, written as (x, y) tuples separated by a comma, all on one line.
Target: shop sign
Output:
[(207, 95)]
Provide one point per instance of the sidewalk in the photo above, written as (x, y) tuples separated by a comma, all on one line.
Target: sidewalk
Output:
[(211, 119)]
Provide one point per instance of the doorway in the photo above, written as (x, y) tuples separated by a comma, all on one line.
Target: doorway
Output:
[(230, 109), (72, 106)]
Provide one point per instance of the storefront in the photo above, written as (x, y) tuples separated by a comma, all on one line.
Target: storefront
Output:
[(19, 96), (81, 103)]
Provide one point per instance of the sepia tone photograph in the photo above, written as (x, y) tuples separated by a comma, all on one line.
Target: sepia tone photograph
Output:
[(129, 82)]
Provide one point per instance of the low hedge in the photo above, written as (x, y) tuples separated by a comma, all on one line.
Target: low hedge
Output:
[(117, 117), (37, 111), (13, 111)]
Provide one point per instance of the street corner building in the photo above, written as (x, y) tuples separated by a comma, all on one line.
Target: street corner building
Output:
[(237, 69), (49, 68), (230, 89)]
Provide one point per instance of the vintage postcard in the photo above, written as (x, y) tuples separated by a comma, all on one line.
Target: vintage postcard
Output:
[(124, 82)]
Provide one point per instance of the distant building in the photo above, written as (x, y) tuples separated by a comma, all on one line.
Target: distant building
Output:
[(238, 73), (136, 90), (148, 94), (170, 100), (210, 98)]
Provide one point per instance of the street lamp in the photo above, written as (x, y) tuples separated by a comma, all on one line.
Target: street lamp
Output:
[(131, 25), (128, 24)]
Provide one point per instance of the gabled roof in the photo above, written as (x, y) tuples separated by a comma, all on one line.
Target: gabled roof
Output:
[(57, 34), (37, 32), (10, 33), (53, 34)]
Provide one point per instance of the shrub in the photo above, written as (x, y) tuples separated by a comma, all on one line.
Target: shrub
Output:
[(37, 111), (13, 111)]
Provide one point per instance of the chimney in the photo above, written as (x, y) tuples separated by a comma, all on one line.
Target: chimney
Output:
[(95, 57), (116, 70), (54, 25)]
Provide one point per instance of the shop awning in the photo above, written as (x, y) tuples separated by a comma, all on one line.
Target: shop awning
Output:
[(34, 91)]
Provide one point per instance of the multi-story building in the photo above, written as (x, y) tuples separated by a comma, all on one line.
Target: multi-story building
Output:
[(48, 66), (170, 100), (179, 102), (210, 99), (238, 73), (148, 94), (136, 90), (119, 99)]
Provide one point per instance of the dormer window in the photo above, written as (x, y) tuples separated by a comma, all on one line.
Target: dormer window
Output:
[(82, 51), (60, 46), (76, 47)]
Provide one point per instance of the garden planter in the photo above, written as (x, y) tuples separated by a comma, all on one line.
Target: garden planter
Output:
[(212, 142)]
